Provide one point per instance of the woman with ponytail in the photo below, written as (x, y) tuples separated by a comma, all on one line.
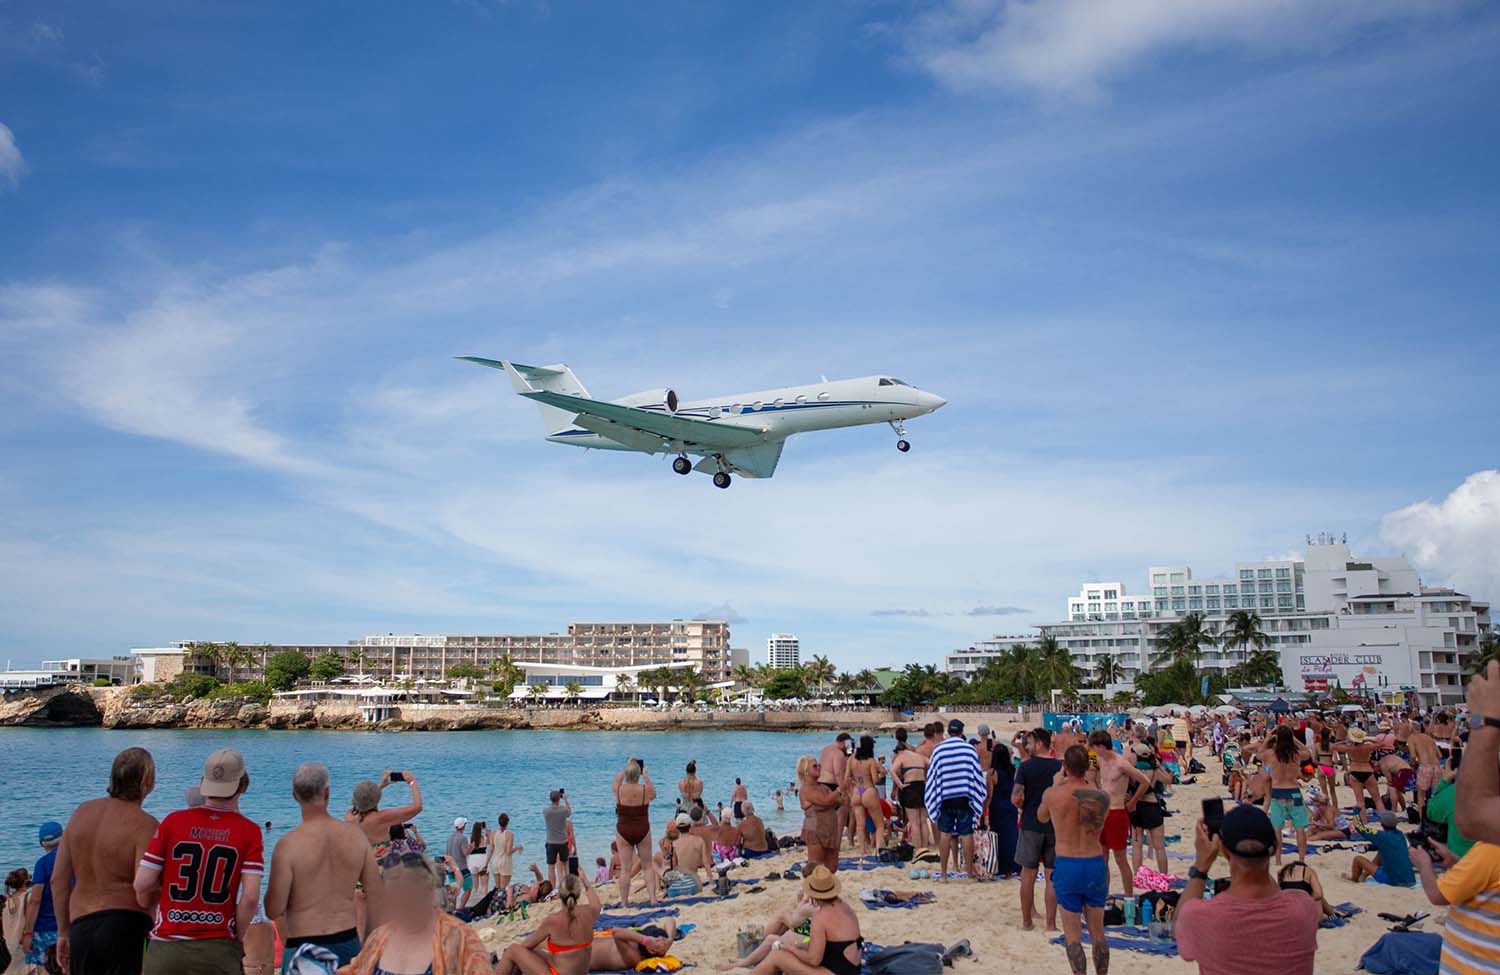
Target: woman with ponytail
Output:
[(561, 944)]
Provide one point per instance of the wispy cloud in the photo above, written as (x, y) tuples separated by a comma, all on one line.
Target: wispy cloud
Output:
[(997, 611), (1075, 47), (1457, 539), (724, 611), (12, 163)]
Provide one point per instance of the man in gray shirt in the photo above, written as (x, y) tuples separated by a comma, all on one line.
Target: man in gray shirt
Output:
[(556, 815), (458, 858)]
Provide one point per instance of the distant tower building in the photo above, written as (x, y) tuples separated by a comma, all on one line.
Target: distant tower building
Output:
[(783, 651)]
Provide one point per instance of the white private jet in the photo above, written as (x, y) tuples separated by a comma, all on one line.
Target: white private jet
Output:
[(742, 434)]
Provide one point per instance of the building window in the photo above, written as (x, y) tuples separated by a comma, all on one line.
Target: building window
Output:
[(1247, 574), (1178, 577), (1195, 603), (1267, 602), (1265, 587), (1178, 591), (1179, 604), (1230, 602), (1263, 573), (1159, 591), (1195, 590), (1213, 602), (1158, 578), (1283, 573), (1211, 590)]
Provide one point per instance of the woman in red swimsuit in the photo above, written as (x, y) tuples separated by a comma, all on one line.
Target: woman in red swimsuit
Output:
[(561, 945)]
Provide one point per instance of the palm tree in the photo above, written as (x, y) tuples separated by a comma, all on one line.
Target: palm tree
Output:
[(843, 684), (1181, 642), (1242, 630), (574, 690), (1108, 669), (819, 671), (537, 690), (1487, 651), (1055, 667), (1262, 667), (357, 658), (624, 684), (865, 679), (744, 674)]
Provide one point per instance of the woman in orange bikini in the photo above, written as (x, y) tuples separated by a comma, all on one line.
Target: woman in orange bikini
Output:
[(561, 945)]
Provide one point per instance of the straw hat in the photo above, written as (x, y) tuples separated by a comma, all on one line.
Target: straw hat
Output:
[(821, 884), (1357, 735)]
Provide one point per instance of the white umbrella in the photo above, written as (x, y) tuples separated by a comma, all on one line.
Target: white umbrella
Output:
[(1197, 709), (1225, 709)]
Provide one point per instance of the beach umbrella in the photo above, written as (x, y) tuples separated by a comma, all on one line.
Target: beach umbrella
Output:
[(1237, 722), (1198, 709)]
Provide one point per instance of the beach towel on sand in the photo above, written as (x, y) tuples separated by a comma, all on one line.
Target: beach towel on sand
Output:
[(1131, 942), (1404, 953)]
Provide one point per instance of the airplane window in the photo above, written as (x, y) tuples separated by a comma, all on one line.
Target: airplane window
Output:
[(885, 382), (776, 401), (897, 382), (735, 408), (755, 405), (823, 396), (802, 399)]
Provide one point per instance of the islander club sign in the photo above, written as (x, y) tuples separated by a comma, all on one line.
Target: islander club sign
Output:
[(1373, 671)]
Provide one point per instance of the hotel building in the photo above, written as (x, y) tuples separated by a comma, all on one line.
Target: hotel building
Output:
[(1364, 624), (586, 650), (783, 651), (966, 663)]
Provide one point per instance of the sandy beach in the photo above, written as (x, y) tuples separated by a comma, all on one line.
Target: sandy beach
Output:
[(988, 914)]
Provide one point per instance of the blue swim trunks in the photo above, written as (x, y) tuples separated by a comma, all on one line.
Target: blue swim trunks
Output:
[(1079, 881), (956, 822), (40, 942)]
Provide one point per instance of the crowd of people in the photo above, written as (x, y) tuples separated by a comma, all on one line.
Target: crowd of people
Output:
[(355, 888)]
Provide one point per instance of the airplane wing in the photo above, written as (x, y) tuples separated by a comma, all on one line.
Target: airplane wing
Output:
[(699, 433), (758, 460)]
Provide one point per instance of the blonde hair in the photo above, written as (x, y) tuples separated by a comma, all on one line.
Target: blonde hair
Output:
[(411, 866), (569, 893), (804, 766), (632, 771)]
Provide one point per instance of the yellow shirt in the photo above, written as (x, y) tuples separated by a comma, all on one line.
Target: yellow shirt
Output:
[(1471, 935)]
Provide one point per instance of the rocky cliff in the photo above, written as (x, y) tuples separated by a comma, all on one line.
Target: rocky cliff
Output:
[(53, 707)]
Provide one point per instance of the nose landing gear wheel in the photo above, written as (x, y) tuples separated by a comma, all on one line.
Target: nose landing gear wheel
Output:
[(682, 465), (721, 480), (902, 446)]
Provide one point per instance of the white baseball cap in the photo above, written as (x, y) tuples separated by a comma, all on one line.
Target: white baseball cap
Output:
[(460, 823)]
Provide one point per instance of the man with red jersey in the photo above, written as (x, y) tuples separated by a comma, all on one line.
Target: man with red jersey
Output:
[(201, 875)]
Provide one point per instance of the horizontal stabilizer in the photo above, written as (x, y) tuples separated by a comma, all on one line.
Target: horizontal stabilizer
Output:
[(530, 379)]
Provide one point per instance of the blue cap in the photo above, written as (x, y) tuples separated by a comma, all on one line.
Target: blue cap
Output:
[(48, 832)]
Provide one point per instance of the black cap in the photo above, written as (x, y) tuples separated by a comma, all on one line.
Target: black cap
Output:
[(844, 736), (955, 727), (1247, 832)]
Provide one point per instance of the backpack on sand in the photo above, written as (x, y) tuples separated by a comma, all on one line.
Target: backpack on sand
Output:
[(907, 959)]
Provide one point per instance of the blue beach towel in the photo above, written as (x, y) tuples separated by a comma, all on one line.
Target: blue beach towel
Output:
[(1404, 953), (1348, 907), (1127, 942), (634, 920)]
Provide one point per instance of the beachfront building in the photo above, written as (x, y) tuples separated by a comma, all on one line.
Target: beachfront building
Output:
[(1366, 625), (783, 651), (966, 663), (702, 645), (73, 670)]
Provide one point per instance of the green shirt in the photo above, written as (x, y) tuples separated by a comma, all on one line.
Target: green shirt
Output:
[(1440, 810)]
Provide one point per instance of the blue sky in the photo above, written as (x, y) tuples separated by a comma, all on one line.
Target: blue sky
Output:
[(1197, 278)]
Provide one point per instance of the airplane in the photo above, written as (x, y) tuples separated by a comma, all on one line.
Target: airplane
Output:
[(741, 434)]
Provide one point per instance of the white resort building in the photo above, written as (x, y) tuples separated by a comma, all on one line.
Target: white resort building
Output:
[(966, 663), (1363, 624), (783, 651)]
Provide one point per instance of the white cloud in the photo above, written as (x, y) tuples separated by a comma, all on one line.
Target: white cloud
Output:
[(12, 163), (1455, 540), (45, 33), (1073, 47)]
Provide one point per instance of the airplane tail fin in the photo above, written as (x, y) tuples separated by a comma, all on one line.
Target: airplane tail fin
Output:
[(529, 379)]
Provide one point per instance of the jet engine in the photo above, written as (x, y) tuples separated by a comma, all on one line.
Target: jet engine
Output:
[(651, 399)]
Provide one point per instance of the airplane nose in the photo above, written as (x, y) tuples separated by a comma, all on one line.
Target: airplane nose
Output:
[(932, 401)]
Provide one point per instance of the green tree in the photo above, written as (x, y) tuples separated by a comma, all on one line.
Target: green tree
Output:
[(819, 671), (624, 684), (918, 684), (573, 689), (784, 684), (1488, 650), (327, 665), (463, 672), (538, 691), (1242, 631), (1182, 641), (285, 669), (1055, 669), (1262, 667), (745, 675), (1108, 669)]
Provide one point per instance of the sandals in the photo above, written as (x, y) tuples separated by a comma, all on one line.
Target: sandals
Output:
[(961, 949)]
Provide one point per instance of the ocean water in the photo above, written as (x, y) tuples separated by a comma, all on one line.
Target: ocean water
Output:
[(475, 774)]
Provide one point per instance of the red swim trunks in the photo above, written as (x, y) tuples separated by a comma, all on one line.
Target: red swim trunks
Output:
[(1116, 832)]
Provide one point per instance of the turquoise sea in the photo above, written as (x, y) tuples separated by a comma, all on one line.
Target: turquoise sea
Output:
[(475, 774)]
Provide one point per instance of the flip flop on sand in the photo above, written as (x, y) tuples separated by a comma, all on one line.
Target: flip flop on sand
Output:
[(960, 950)]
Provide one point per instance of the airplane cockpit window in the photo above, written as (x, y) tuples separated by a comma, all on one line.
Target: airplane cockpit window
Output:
[(891, 382)]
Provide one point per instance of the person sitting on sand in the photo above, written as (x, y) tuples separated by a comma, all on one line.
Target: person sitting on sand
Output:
[(833, 942), (562, 944), (1297, 875), (689, 860), (753, 833), (1324, 821), (418, 937), (622, 949), (822, 815), (785, 921), (1391, 864), (726, 841), (518, 895)]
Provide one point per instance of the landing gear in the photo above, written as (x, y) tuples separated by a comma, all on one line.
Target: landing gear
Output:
[(902, 445), (682, 465), (721, 480)]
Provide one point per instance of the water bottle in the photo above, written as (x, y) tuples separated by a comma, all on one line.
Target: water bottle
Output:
[(1145, 913), (1130, 908)]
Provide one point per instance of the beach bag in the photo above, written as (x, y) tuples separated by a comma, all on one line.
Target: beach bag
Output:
[(312, 960), (907, 959), (987, 852)]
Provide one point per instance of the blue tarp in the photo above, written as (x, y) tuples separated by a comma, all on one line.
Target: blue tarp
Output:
[(1089, 721), (1404, 953)]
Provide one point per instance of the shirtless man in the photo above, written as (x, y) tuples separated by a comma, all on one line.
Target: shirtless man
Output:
[(1077, 812), (833, 762), (624, 948), (932, 734), (100, 925), (1118, 778), (1424, 752), (738, 797), (314, 870), (689, 853), (752, 830)]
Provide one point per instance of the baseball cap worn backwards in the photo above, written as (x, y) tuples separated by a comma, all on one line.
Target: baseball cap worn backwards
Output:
[(222, 774)]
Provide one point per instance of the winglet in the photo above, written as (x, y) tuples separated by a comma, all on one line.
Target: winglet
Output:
[(518, 382)]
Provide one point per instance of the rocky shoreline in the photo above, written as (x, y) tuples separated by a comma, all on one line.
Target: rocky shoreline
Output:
[(118, 708)]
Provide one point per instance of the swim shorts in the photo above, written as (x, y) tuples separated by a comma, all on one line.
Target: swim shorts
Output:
[(1116, 832), (1036, 848), (1147, 815), (1426, 777), (40, 942), (1286, 804), (1402, 780), (109, 942), (556, 852), (956, 818), (1080, 881), (912, 795)]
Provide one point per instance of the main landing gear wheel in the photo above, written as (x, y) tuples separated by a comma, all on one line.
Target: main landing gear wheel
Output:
[(682, 465), (902, 446), (721, 480)]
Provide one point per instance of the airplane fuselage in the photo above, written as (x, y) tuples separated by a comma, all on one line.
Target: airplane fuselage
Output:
[(780, 413)]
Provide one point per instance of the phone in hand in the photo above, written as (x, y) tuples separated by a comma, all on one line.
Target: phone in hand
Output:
[(1213, 815), (398, 776), (398, 832), (573, 866)]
